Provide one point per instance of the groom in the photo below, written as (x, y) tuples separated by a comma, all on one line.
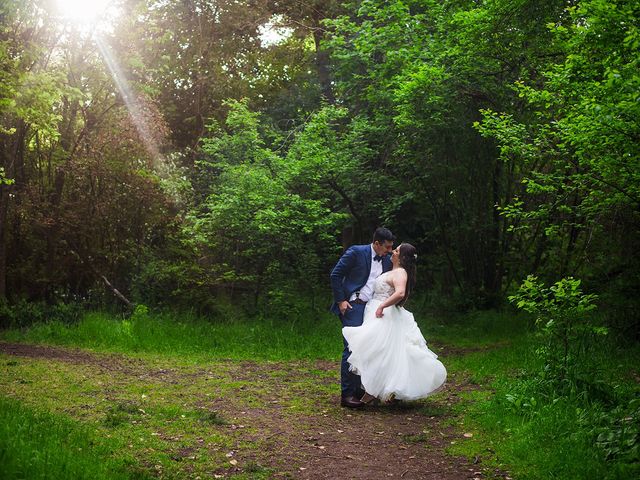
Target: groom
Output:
[(352, 282)]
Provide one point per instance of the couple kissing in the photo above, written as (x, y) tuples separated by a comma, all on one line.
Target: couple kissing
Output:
[(385, 356)]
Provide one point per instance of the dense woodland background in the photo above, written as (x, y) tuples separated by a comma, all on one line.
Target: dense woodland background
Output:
[(180, 177), (179, 154)]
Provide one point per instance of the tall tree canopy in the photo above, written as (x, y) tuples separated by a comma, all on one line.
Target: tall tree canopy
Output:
[(184, 151)]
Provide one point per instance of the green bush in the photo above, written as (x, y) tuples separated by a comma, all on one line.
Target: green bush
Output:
[(572, 388), (566, 330), (24, 313)]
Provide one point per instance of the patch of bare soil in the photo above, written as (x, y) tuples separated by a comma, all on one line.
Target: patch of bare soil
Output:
[(400, 440), (103, 362), (76, 356), (374, 443)]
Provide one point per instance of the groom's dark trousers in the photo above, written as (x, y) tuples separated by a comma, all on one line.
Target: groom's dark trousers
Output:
[(349, 381)]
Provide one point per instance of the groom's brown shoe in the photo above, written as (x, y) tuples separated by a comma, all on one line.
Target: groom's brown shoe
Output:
[(351, 402)]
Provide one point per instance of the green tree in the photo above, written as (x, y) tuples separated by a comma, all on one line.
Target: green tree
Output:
[(85, 200), (253, 231), (30, 90), (577, 153), (565, 326), (420, 72)]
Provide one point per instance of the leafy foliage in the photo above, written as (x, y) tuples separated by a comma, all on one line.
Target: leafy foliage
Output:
[(575, 144), (564, 323), (256, 228), (500, 139)]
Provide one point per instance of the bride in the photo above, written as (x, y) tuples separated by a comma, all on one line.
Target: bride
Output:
[(388, 351)]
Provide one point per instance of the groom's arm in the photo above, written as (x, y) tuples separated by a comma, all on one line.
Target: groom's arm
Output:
[(340, 271)]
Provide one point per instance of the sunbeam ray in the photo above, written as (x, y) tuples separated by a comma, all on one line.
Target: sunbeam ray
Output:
[(130, 100)]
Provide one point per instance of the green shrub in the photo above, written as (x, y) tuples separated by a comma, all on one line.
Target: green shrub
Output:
[(23, 313), (566, 330)]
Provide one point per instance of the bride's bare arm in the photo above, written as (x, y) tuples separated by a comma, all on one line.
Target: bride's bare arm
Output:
[(399, 282)]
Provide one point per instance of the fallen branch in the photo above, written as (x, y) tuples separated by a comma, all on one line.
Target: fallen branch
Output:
[(115, 291)]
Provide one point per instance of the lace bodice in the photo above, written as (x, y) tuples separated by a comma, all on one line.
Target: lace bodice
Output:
[(381, 289)]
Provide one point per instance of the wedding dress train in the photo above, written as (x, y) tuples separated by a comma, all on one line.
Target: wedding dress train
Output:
[(390, 354)]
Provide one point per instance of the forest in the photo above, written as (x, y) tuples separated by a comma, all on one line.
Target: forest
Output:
[(179, 178)]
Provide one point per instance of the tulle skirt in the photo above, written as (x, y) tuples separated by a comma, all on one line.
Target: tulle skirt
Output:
[(391, 355)]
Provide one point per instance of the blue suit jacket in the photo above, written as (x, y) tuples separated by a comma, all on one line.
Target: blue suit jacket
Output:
[(352, 272)]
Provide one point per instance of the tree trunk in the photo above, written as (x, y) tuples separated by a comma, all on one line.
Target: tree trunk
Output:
[(492, 274), (322, 65), (4, 210), (12, 152)]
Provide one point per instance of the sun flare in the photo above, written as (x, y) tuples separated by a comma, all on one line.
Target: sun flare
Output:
[(84, 11)]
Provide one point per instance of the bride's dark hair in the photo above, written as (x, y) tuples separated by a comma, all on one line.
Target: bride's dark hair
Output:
[(408, 259)]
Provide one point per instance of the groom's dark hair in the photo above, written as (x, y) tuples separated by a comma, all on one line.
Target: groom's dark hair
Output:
[(383, 234)]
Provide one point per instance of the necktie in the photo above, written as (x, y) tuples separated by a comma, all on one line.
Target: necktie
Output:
[(377, 258)]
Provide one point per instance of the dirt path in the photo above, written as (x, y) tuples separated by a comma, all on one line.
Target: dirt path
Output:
[(284, 417)]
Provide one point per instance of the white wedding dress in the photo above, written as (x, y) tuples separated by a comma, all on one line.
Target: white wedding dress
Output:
[(390, 354)]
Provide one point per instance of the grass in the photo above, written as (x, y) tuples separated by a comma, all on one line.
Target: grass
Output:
[(475, 329), (258, 339), (160, 422), (187, 336), (172, 417), (551, 444), (39, 445), (534, 437)]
